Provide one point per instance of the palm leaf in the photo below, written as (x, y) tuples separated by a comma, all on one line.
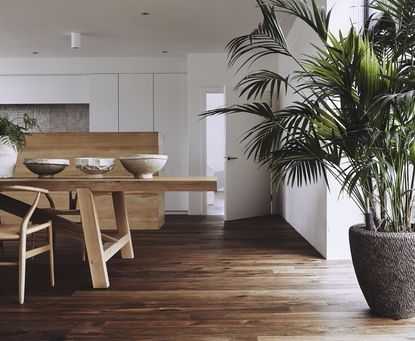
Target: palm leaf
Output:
[(311, 14), (267, 38), (255, 84)]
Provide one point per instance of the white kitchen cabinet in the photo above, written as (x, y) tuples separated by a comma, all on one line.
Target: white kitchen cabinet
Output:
[(41, 89), (136, 102), (103, 107), (170, 120)]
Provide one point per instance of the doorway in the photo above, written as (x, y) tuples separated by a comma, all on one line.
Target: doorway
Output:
[(215, 151)]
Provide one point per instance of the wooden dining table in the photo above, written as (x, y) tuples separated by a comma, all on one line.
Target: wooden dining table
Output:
[(100, 246)]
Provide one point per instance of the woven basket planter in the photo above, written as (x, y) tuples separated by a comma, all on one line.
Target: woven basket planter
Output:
[(384, 263)]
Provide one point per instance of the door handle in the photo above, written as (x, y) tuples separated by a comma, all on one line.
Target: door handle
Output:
[(230, 158)]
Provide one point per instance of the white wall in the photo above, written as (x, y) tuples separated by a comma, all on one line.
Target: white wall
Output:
[(342, 212), (63, 66), (215, 135), (318, 214), (215, 141), (345, 12), (304, 208)]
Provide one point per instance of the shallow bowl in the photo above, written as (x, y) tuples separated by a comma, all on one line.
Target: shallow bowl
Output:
[(143, 166), (46, 168), (94, 167)]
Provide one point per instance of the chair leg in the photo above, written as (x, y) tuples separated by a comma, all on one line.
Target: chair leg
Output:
[(32, 238), (51, 259), (83, 251), (22, 269)]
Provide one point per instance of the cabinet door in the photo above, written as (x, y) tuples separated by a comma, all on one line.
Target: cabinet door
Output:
[(103, 107), (136, 102), (42, 89), (170, 120)]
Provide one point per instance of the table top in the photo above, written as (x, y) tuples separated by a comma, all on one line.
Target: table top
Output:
[(118, 184)]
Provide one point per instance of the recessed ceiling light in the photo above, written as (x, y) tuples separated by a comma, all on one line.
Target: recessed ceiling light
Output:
[(75, 40), (145, 13), (165, 51), (35, 52)]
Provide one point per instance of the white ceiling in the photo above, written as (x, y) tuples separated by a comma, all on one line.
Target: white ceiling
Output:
[(116, 28)]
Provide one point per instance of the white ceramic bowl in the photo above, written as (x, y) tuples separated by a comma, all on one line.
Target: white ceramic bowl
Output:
[(143, 166), (94, 167), (46, 168)]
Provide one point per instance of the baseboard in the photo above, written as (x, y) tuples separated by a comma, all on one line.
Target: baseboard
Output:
[(176, 212)]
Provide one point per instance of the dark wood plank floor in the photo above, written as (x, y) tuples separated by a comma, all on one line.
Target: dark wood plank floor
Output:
[(197, 279)]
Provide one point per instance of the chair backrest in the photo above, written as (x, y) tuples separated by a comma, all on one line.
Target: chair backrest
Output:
[(26, 219)]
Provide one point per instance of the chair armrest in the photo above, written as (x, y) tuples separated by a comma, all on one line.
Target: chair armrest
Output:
[(26, 189)]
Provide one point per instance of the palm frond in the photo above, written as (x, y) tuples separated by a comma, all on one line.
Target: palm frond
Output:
[(316, 17), (299, 163), (255, 84), (392, 29), (268, 38), (260, 109)]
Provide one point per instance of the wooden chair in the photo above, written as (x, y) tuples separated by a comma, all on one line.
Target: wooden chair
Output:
[(20, 233)]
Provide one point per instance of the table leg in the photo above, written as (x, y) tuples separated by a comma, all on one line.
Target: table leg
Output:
[(93, 241), (123, 226)]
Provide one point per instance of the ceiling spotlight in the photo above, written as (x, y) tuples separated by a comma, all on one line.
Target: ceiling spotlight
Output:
[(145, 13), (75, 40), (35, 52), (165, 51)]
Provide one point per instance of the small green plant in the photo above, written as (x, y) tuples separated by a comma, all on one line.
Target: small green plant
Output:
[(13, 133)]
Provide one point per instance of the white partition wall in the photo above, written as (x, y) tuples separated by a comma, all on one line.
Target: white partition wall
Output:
[(170, 120)]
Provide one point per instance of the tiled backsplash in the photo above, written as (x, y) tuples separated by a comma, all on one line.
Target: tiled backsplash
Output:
[(52, 117)]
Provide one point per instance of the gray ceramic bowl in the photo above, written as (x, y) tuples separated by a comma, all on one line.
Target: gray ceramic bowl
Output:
[(143, 166), (94, 167), (46, 168)]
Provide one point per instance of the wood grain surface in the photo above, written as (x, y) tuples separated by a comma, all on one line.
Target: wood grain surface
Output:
[(197, 279), (72, 145), (122, 184)]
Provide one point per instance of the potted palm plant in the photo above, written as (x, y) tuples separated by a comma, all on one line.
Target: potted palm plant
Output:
[(355, 120), (12, 139)]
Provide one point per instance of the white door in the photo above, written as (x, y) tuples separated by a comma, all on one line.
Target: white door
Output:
[(247, 192)]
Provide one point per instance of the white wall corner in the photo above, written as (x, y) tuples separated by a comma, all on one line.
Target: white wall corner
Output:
[(305, 208)]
